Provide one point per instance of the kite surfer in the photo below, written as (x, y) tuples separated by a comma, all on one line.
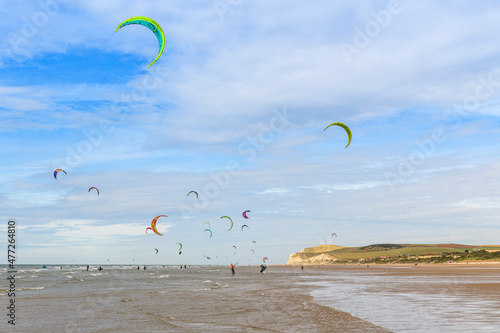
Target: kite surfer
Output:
[(262, 268), (232, 269), (87, 268)]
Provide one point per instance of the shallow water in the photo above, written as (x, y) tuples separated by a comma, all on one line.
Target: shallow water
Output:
[(414, 300), (170, 299)]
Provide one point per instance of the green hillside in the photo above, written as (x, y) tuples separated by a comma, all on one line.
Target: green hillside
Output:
[(406, 253)]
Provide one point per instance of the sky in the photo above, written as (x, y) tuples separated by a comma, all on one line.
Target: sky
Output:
[(235, 109)]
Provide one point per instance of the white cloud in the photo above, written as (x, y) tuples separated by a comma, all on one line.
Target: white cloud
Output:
[(277, 191), (479, 203), (83, 230), (347, 187)]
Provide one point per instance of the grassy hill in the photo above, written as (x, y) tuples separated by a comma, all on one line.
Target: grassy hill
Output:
[(396, 253)]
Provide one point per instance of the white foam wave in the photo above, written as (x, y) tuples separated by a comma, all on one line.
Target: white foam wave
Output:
[(34, 288)]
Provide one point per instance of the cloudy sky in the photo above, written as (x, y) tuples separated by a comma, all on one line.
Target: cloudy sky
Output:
[(235, 109)]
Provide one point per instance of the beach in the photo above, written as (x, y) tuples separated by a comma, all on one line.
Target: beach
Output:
[(284, 299)]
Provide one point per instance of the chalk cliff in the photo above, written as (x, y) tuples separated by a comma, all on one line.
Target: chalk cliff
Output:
[(314, 256)]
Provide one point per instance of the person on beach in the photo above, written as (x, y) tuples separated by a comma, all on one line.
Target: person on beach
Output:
[(144, 267), (138, 268), (302, 267), (87, 268), (232, 269)]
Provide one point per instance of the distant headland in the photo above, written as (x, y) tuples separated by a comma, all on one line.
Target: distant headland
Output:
[(395, 254)]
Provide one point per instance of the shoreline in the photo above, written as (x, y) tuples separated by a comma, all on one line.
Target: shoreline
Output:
[(482, 264)]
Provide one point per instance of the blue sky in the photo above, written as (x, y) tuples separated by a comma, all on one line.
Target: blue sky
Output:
[(235, 109)]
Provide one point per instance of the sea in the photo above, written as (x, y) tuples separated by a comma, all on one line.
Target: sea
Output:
[(123, 298)]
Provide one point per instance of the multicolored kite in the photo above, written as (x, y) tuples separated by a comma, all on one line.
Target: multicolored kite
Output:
[(153, 225), (151, 25), (58, 170)]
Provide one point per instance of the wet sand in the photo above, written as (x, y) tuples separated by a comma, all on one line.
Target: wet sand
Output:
[(408, 298), (429, 270)]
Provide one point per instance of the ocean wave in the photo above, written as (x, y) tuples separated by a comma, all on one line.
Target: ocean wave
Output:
[(34, 288), (163, 276), (180, 291)]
